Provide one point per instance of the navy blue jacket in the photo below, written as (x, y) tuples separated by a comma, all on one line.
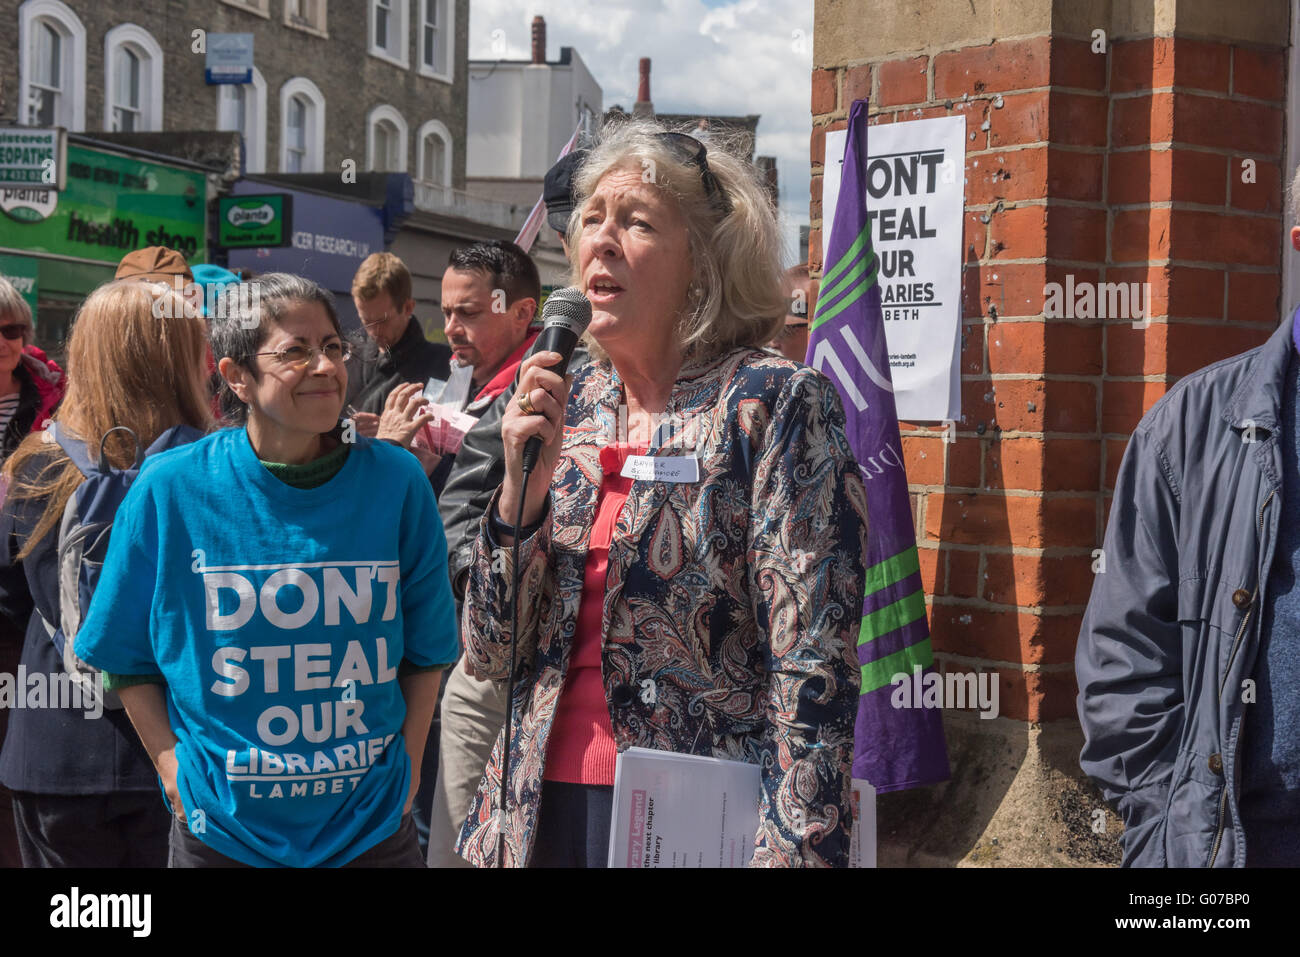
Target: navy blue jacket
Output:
[(1172, 629), (56, 750)]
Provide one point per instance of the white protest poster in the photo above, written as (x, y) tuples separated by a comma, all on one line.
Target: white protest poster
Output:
[(915, 191)]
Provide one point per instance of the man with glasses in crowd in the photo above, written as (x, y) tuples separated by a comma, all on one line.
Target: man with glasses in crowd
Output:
[(397, 351)]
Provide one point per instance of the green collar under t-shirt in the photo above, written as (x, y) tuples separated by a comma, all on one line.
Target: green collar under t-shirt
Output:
[(311, 474)]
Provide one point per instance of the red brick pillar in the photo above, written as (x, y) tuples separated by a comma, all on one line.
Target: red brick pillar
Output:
[(1083, 167)]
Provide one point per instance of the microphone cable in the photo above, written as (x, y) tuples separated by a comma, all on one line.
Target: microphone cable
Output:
[(503, 803)]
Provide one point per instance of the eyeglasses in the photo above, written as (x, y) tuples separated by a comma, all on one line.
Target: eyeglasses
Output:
[(14, 330), (691, 150), (378, 322), (300, 357)]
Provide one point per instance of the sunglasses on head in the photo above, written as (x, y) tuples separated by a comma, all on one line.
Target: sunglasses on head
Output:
[(690, 150), (13, 330)]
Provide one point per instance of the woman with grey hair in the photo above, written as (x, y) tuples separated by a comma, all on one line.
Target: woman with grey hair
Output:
[(31, 384), (280, 591), (691, 547)]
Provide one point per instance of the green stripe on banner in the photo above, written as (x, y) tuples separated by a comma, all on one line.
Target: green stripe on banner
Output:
[(892, 570), (858, 245), (892, 617), (879, 674), (844, 281), (858, 291)]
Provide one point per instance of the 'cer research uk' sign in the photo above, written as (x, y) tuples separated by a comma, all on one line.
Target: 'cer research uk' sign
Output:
[(915, 187)]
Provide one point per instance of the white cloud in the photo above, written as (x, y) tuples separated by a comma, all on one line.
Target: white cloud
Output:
[(732, 59)]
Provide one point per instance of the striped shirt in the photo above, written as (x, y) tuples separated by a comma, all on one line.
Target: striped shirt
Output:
[(8, 406)]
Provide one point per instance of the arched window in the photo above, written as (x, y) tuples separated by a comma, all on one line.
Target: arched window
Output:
[(133, 80), (51, 66), (386, 140), (241, 107), (302, 127), (433, 165)]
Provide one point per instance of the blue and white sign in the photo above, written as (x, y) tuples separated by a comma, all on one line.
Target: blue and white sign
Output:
[(330, 239), (229, 58)]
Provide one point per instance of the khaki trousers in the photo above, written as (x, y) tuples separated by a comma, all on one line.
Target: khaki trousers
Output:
[(473, 713)]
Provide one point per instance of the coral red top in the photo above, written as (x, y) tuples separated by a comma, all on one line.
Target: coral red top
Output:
[(581, 748)]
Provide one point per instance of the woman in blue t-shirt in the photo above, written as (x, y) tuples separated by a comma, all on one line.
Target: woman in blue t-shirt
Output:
[(85, 791), (279, 594)]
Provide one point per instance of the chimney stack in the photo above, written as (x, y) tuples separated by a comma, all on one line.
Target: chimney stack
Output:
[(643, 105), (539, 40)]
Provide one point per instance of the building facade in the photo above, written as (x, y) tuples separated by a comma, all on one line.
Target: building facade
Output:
[(380, 83), (522, 113), (339, 89)]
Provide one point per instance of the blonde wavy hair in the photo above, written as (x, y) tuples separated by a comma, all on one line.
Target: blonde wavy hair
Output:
[(126, 367), (735, 296)]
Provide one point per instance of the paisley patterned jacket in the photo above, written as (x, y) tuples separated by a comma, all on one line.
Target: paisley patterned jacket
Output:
[(731, 609)]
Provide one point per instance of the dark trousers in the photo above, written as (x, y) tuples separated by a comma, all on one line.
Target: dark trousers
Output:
[(400, 850), (10, 856), (121, 829), (573, 825), (422, 806)]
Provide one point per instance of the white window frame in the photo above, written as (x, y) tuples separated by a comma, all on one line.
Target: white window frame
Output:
[(447, 29), (72, 111), (254, 131), (151, 74), (439, 129), (315, 135), (401, 11), (386, 112), (260, 8), (319, 30)]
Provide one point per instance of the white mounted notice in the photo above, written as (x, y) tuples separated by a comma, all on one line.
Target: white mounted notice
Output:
[(915, 180)]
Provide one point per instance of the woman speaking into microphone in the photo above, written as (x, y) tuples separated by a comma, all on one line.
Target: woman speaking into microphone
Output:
[(692, 539)]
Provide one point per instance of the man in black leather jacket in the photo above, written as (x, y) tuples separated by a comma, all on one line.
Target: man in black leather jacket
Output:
[(473, 711)]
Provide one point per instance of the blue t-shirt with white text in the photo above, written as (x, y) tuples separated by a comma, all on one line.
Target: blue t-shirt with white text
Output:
[(278, 617)]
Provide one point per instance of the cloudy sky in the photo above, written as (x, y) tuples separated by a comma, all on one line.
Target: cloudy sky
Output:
[(709, 56)]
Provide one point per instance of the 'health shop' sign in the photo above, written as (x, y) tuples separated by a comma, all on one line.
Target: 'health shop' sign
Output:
[(914, 180)]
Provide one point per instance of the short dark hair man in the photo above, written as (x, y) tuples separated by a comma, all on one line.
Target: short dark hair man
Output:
[(490, 294)]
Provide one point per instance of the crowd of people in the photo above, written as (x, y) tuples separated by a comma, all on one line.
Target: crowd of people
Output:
[(298, 556)]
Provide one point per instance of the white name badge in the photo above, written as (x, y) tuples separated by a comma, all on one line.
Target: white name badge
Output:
[(662, 468)]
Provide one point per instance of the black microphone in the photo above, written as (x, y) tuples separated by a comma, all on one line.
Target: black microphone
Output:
[(565, 318)]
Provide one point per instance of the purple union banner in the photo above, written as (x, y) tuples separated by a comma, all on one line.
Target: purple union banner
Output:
[(894, 748)]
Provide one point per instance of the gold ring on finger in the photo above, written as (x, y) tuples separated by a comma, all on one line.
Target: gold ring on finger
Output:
[(525, 403)]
